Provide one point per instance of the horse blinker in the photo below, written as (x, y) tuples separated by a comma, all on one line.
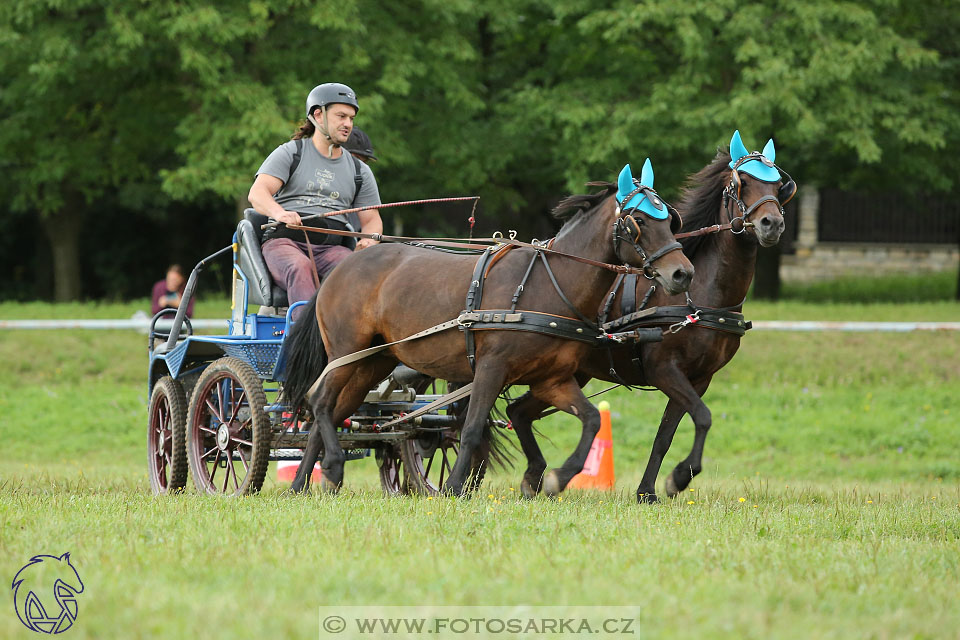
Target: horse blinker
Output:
[(787, 191)]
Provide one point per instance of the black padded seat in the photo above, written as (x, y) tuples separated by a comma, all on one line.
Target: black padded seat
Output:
[(262, 289)]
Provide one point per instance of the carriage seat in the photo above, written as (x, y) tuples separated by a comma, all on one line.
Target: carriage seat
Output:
[(262, 289)]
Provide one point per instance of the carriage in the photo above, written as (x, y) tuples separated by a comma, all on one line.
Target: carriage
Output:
[(215, 409), (234, 419)]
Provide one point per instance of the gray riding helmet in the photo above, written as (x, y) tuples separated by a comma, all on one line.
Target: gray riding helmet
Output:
[(330, 93)]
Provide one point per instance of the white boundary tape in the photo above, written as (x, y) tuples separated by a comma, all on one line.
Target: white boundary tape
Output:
[(141, 325), (761, 325), (816, 325)]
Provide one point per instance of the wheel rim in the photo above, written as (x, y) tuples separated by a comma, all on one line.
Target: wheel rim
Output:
[(222, 433), (161, 442), (431, 459), (390, 462)]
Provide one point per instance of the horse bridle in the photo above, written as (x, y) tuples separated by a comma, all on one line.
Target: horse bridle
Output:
[(731, 194), (626, 227)]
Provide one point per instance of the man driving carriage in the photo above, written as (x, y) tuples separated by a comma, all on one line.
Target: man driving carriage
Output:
[(313, 174)]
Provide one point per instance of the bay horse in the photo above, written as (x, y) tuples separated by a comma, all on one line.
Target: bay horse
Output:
[(389, 292), (684, 363)]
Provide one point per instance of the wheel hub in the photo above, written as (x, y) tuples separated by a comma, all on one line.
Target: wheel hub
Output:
[(223, 437)]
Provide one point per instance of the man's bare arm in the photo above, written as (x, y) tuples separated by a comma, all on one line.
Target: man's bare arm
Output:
[(261, 198)]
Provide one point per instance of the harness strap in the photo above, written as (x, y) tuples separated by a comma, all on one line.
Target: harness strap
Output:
[(662, 251), (313, 261), (566, 300), (474, 298), (439, 403), (532, 321), (498, 254), (519, 291), (503, 320), (363, 353), (608, 303), (628, 304), (717, 319)]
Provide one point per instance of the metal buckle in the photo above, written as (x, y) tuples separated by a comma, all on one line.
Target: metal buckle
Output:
[(690, 319)]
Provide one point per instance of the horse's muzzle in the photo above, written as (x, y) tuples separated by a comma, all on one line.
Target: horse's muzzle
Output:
[(678, 280), (768, 229)]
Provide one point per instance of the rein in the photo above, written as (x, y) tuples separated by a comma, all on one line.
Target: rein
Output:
[(484, 243), (389, 205), (717, 228)]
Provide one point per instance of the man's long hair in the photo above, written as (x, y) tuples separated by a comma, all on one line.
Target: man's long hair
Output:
[(305, 131)]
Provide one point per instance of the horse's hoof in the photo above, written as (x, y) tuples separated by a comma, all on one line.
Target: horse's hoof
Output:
[(551, 484), (670, 487), (328, 486), (647, 498), (527, 490), (452, 490), (297, 490)]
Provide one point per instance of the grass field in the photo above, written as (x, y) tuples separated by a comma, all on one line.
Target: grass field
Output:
[(829, 505)]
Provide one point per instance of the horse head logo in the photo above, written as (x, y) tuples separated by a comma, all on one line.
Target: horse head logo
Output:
[(45, 593)]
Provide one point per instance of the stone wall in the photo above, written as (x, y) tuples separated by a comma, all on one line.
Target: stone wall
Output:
[(815, 260), (830, 260)]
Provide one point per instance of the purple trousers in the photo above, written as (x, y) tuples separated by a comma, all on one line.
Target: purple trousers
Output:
[(290, 268)]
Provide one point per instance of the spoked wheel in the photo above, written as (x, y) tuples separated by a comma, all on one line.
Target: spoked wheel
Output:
[(430, 458), (392, 470), (228, 431), (166, 437)]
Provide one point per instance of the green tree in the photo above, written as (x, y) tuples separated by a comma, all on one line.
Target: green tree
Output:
[(248, 69), (521, 102), (85, 115), (851, 91)]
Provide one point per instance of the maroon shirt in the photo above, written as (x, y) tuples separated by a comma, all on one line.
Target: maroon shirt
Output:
[(160, 289)]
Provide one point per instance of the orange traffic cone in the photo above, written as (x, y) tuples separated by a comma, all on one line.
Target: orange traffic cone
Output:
[(287, 470), (598, 469)]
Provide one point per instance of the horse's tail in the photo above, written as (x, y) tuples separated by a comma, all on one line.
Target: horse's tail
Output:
[(306, 356), (495, 446), (498, 447)]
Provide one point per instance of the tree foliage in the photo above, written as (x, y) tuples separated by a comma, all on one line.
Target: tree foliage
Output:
[(111, 105)]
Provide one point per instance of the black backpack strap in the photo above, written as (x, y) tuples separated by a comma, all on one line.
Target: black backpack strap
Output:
[(357, 177), (296, 158)]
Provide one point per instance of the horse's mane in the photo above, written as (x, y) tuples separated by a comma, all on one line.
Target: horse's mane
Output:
[(699, 203), (572, 205)]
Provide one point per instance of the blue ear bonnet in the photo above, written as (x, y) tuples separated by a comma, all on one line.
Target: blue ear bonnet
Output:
[(761, 167), (646, 200)]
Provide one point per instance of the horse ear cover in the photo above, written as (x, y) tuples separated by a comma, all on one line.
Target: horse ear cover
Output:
[(624, 184), (737, 150), (755, 168), (648, 204), (769, 151)]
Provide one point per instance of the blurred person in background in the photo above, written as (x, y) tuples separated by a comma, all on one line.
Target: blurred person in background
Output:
[(168, 293)]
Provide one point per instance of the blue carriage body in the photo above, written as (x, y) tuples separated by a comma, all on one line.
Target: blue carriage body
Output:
[(254, 338)]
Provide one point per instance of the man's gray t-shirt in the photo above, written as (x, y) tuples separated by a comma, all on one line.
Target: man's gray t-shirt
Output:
[(319, 184)]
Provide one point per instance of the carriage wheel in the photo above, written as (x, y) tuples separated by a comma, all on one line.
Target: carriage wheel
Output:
[(392, 469), (228, 431), (429, 459), (166, 437)]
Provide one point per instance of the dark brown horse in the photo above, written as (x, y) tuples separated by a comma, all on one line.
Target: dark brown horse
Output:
[(391, 291), (683, 364)]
